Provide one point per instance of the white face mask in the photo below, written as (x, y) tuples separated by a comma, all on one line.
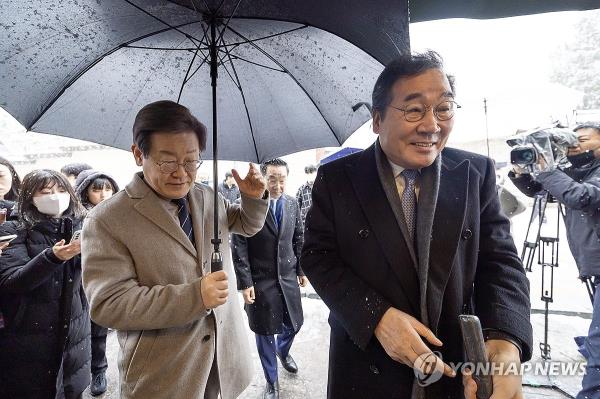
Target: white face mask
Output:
[(52, 204)]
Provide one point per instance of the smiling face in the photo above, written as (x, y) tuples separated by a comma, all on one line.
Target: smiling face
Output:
[(415, 145), (176, 147), (276, 178)]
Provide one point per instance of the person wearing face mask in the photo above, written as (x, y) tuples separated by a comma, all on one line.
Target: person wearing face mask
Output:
[(578, 189), (93, 187), (9, 189), (45, 338)]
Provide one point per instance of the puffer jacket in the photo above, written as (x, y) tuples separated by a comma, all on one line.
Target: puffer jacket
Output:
[(45, 342)]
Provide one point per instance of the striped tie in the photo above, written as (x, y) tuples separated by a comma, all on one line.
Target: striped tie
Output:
[(409, 200), (185, 219)]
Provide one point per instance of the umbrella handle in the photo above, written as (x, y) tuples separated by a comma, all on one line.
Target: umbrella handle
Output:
[(216, 261)]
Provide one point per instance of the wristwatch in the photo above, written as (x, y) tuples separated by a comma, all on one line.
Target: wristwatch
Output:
[(490, 333)]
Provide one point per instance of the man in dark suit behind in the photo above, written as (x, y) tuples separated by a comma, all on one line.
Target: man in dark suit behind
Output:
[(405, 236), (269, 274)]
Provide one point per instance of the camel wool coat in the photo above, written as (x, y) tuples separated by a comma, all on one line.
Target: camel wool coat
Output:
[(142, 277)]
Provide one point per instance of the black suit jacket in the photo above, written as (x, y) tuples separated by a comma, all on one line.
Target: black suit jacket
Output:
[(358, 262), (269, 262)]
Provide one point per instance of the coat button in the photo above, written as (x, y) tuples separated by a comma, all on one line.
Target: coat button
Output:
[(467, 234), (374, 369), (364, 233), (205, 338)]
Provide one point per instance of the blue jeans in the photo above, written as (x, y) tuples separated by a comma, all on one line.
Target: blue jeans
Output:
[(591, 349)]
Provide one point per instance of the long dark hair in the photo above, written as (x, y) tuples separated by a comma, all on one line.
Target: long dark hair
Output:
[(37, 180), (13, 194)]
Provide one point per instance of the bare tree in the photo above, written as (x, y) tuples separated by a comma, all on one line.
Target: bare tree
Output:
[(577, 63)]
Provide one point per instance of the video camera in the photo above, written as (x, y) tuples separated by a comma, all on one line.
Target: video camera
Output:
[(550, 144)]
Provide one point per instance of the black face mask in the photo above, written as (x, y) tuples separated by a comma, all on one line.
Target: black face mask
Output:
[(582, 159)]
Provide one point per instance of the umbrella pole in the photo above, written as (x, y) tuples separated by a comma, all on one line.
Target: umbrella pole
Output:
[(216, 262)]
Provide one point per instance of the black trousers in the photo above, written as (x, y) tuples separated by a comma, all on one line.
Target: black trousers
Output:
[(99, 362)]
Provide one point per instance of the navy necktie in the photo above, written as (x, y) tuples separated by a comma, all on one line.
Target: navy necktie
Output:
[(409, 200), (185, 218), (275, 210)]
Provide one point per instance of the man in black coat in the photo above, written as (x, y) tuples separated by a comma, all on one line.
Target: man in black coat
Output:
[(269, 276), (405, 236)]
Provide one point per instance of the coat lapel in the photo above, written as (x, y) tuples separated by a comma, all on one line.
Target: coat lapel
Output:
[(388, 182), (197, 204), (148, 204), (284, 213), (373, 201), (446, 232), (270, 221)]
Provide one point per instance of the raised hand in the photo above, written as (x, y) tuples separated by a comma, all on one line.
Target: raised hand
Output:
[(253, 185)]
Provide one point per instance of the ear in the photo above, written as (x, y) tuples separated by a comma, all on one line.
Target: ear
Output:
[(137, 154), (376, 122)]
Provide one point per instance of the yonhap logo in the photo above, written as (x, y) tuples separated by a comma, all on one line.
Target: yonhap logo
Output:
[(428, 368)]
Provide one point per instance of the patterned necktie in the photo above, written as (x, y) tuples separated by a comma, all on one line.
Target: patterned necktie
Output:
[(185, 219), (409, 200)]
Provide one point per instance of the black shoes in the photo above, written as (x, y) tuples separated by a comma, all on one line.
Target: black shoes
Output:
[(288, 363), (271, 391), (98, 385)]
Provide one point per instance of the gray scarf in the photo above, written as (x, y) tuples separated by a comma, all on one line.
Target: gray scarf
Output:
[(428, 193)]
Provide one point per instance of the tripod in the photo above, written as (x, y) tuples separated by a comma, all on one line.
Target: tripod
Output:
[(547, 255), (548, 259)]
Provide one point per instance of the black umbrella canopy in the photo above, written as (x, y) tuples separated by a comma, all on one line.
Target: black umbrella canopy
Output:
[(288, 81), (427, 10)]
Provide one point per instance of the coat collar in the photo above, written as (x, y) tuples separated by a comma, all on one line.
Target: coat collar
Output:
[(363, 174), (388, 183), (447, 207), (148, 204)]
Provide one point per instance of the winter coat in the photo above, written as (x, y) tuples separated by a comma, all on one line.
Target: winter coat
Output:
[(579, 191), (45, 343), (269, 261), (358, 257), (231, 194), (143, 276), (10, 206)]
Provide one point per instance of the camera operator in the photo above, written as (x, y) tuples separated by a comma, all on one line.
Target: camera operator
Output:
[(578, 188)]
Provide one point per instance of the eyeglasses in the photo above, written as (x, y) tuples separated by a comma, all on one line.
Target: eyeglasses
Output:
[(168, 167), (442, 112)]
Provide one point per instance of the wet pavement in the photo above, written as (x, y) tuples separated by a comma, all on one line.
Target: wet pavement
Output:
[(310, 350)]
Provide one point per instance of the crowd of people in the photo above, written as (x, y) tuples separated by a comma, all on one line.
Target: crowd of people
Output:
[(398, 240)]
